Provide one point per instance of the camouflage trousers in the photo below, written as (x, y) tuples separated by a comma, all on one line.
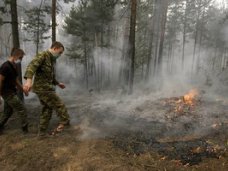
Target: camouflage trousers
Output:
[(51, 101), (13, 104)]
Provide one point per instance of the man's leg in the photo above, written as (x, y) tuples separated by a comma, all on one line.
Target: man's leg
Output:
[(45, 117), (16, 104), (7, 113), (52, 100)]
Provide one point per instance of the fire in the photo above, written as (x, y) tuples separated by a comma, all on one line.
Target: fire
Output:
[(187, 101), (184, 104), (190, 97)]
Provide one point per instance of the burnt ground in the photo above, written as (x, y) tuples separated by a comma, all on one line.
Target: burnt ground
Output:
[(109, 133)]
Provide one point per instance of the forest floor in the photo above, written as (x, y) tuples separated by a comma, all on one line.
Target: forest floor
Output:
[(134, 134)]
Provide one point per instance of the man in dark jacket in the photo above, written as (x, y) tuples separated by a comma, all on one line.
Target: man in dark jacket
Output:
[(9, 83)]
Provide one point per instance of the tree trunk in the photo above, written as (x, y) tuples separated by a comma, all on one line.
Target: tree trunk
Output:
[(101, 64), (16, 42), (223, 65), (53, 26), (86, 61), (214, 58), (96, 67), (38, 29), (196, 37), (184, 35), (124, 70), (162, 34), (226, 58), (169, 65), (150, 48), (200, 44), (132, 44), (14, 17), (156, 32)]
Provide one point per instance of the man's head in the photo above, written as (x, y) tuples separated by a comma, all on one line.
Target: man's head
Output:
[(17, 55), (57, 49)]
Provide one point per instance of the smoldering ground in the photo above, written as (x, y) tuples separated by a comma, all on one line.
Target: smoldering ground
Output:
[(146, 113)]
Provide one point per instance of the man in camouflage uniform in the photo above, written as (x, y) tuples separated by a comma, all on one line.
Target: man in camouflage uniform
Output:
[(42, 68), (9, 83)]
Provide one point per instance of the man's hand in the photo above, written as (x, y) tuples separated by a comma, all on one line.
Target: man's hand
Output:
[(2, 78), (27, 86), (61, 85), (26, 93)]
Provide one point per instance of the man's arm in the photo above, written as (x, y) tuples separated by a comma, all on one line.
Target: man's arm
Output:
[(31, 70), (61, 85), (56, 83), (1, 81), (33, 66), (19, 86)]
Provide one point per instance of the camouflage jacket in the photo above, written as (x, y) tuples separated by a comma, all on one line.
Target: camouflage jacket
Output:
[(42, 66)]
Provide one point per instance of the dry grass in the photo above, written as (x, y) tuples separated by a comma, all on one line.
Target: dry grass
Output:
[(67, 152)]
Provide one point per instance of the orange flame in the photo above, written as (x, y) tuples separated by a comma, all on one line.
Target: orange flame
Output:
[(190, 97)]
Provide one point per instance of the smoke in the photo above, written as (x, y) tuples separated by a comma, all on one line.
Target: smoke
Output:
[(111, 111), (224, 32), (109, 61), (101, 115)]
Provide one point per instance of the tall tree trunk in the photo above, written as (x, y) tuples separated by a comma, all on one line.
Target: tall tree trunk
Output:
[(132, 44), (172, 58), (223, 65), (16, 42), (169, 65), (151, 39), (196, 36), (214, 57), (38, 28), (200, 43), (86, 60), (162, 34), (124, 71), (226, 58), (109, 74), (221, 58), (96, 66), (14, 17), (101, 64), (156, 32), (53, 26), (184, 35)]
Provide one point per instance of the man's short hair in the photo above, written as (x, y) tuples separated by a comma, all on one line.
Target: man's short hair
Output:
[(57, 45), (17, 51)]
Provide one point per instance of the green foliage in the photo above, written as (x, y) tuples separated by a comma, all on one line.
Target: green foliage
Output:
[(67, 1), (76, 52), (7, 1), (181, 14), (35, 23), (144, 16), (90, 17), (3, 10)]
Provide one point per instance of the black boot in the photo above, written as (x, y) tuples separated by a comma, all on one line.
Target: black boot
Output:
[(25, 129), (1, 128)]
